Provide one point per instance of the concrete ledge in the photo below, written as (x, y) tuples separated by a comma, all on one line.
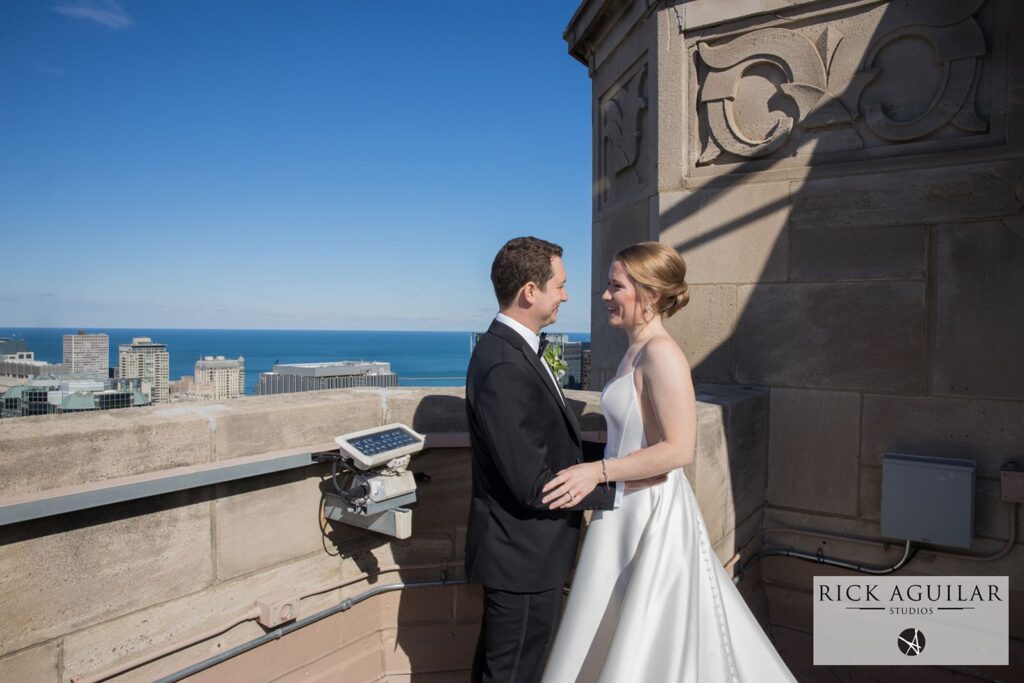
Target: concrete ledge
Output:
[(153, 572)]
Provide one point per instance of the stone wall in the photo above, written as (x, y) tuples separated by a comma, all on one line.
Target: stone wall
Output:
[(83, 592), (845, 179)]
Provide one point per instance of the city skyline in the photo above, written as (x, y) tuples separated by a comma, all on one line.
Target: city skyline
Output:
[(297, 173)]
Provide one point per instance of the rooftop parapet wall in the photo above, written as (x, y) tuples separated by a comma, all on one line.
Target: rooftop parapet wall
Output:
[(89, 590)]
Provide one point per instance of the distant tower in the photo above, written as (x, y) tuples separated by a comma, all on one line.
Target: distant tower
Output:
[(86, 353), (147, 361), (220, 377)]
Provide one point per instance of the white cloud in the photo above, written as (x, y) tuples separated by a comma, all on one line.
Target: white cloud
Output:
[(106, 12)]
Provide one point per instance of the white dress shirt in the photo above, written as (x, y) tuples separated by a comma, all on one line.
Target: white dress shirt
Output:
[(533, 339)]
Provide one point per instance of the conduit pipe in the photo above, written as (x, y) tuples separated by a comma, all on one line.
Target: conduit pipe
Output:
[(252, 615), (301, 623), (1011, 508)]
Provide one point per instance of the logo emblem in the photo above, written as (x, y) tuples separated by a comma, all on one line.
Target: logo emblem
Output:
[(911, 642)]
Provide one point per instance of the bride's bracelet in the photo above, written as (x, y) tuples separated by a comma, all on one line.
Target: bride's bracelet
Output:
[(604, 471)]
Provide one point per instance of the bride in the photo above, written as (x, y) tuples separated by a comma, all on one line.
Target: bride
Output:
[(650, 601)]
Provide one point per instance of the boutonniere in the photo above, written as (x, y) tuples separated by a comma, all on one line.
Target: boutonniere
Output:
[(553, 357)]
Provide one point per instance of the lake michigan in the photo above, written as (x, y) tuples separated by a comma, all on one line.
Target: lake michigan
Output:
[(423, 359)]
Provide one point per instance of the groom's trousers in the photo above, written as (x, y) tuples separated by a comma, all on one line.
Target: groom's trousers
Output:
[(516, 635)]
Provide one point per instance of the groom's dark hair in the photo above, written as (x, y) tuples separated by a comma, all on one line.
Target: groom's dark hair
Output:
[(522, 260)]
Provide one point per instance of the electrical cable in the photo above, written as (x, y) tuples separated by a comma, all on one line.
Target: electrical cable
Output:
[(820, 558)]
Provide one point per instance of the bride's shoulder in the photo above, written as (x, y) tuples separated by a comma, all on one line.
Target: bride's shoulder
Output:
[(663, 354)]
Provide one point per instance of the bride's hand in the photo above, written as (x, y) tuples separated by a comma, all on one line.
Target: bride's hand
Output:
[(572, 485)]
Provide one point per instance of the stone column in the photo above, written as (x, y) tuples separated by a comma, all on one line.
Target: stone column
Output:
[(844, 179)]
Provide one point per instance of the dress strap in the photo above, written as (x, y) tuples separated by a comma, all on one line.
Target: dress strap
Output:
[(636, 359)]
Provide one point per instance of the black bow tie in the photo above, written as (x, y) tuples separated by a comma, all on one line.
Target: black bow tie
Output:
[(543, 344)]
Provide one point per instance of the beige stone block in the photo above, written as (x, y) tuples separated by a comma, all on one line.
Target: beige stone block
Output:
[(260, 424), (728, 471), (850, 336), (731, 234), (987, 432), (702, 13), (1012, 672), (358, 662), (264, 521), (362, 619), (991, 512), (979, 311), (427, 410), (155, 626), (775, 517), (100, 564), (587, 407), (427, 648), (417, 605), (460, 545), (757, 603), (376, 552), (704, 328), (709, 473), (38, 664), (746, 424), (922, 195), (870, 493), (855, 253), (443, 502), (96, 446), (613, 232), (790, 608), (812, 454), (298, 648)]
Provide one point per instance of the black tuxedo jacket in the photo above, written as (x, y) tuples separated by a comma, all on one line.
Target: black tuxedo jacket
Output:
[(521, 435)]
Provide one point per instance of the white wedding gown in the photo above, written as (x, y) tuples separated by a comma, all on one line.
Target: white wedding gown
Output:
[(650, 601)]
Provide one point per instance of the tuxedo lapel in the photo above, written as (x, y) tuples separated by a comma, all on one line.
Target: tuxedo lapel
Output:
[(513, 338)]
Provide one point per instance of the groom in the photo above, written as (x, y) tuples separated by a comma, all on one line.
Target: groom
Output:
[(522, 433)]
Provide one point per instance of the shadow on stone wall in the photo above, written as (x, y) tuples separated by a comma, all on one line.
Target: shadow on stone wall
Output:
[(851, 285)]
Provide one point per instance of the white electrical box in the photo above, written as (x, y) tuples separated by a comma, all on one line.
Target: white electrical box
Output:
[(928, 499)]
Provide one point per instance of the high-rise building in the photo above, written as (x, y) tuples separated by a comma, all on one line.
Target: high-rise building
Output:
[(585, 367), (87, 354), (572, 354), (147, 361), (56, 395), (289, 378), (219, 377)]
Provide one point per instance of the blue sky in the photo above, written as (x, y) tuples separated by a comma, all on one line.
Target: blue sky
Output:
[(335, 164)]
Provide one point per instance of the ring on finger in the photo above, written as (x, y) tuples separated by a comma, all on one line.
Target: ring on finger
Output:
[(571, 497)]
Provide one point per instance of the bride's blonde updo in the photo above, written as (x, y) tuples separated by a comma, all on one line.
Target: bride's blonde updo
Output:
[(656, 268)]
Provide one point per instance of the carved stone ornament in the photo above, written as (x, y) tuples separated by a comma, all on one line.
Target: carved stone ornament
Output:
[(621, 116), (826, 77)]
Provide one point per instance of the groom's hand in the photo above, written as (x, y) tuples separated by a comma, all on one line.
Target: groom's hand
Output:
[(571, 485)]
